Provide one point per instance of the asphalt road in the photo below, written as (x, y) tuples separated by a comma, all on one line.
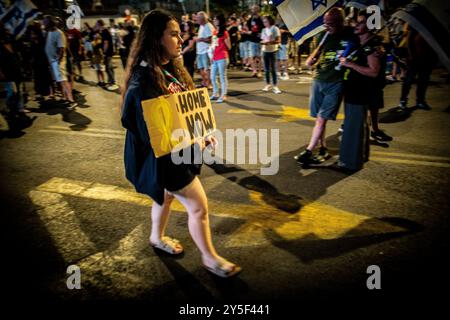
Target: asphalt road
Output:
[(302, 236)]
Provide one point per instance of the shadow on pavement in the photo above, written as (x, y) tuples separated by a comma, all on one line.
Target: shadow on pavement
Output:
[(395, 114), (255, 95), (17, 123), (311, 248), (186, 287), (94, 84), (270, 195), (288, 167), (53, 107)]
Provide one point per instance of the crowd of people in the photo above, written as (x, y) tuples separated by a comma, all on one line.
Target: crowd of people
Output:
[(51, 55), (249, 41), (155, 69), (161, 57)]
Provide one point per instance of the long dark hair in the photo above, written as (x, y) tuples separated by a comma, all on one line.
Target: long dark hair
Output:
[(270, 19), (147, 46), (222, 25), (191, 27)]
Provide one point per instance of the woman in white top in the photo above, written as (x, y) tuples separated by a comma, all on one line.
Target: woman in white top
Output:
[(270, 39)]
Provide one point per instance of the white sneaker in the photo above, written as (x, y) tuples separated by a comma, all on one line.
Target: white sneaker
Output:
[(276, 90), (284, 76), (267, 88), (112, 87)]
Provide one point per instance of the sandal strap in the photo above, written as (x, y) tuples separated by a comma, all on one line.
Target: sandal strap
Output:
[(167, 244)]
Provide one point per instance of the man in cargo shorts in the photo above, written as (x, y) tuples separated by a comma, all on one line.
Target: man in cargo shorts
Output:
[(55, 48), (327, 86)]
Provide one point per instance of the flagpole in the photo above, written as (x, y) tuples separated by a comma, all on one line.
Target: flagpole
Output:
[(60, 8)]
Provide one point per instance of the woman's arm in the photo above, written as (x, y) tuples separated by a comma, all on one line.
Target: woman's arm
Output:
[(372, 70), (276, 41), (188, 47), (228, 42)]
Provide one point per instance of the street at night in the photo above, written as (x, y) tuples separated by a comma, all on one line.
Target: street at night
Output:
[(323, 178), (300, 235)]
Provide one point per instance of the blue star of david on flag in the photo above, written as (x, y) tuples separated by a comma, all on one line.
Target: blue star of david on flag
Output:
[(317, 3)]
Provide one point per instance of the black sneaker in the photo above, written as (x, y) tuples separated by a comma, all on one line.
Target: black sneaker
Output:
[(423, 106), (304, 157), (403, 105), (380, 136), (321, 156), (323, 152), (341, 169)]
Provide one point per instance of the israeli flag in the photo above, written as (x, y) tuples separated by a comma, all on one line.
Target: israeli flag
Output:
[(431, 19), (362, 4), (304, 18), (17, 17), (3, 7)]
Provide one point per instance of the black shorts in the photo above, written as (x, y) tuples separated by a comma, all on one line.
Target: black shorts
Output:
[(174, 177), (376, 100)]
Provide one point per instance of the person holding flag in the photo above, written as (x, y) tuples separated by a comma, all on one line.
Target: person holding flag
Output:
[(361, 88), (17, 16), (327, 85)]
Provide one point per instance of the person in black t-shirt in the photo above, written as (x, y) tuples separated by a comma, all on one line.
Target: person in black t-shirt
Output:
[(360, 87), (188, 47), (282, 53), (233, 32), (255, 26), (108, 51), (327, 85), (244, 42)]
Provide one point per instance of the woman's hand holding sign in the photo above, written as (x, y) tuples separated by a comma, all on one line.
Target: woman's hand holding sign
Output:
[(208, 141), (211, 142)]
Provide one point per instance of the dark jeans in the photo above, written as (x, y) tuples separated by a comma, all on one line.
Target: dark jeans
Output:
[(233, 53), (423, 73), (123, 52), (354, 148), (109, 70), (270, 66)]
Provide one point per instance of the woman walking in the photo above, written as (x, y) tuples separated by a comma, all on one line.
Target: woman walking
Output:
[(154, 68)]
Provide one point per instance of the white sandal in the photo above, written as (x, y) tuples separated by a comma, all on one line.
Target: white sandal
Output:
[(168, 245)]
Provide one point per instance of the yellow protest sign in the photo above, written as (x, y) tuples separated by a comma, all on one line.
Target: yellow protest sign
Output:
[(178, 119)]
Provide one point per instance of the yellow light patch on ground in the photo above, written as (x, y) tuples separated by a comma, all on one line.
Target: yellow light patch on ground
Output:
[(412, 162), (99, 130), (81, 133), (290, 113), (313, 218), (287, 114), (410, 155)]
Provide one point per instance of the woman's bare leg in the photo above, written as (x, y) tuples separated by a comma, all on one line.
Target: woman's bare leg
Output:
[(160, 217), (194, 199)]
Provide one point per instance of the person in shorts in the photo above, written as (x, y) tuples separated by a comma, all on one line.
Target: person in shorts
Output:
[(327, 85)]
